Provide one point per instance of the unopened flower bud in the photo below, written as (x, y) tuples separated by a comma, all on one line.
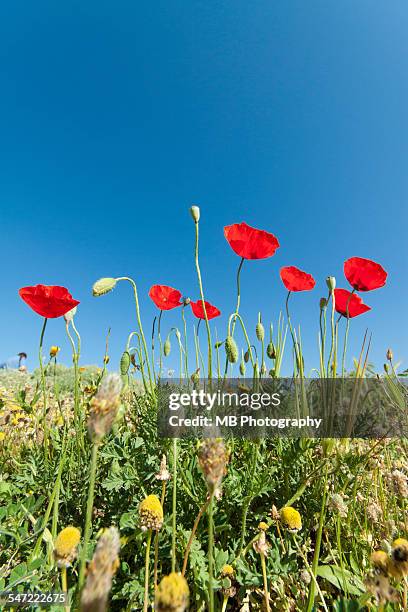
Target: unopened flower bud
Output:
[(54, 350), (263, 369), (103, 285), (331, 283), (186, 301), (270, 351), (260, 331), (68, 316), (323, 303), (242, 367), (167, 347), (231, 349), (246, 356), (195, 213), (390, 355), (124, 363), (106, 359)]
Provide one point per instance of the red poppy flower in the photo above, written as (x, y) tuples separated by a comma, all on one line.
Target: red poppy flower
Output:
[(354, 304), (198, 310), (250, 243), (165, 297), (296, 280), (364, 274), (49, 301)]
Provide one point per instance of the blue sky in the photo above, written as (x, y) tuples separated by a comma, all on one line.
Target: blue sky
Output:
[(116, 116)]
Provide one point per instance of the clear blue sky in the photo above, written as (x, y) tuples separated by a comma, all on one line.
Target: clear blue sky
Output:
[(116, 116)]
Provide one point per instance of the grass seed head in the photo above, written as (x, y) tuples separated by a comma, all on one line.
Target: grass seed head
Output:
[(65, 546), (100, 572), (103, 285), (104, 407), (212, 457), (291, 518), (172, 594), (151, 513)]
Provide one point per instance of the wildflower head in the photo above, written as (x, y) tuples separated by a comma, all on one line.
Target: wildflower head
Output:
[(151, 513), (380, 561), (65, 546), (323, 303), (172, 594), (263, 526), (212, 457), (195, 213), (104, 407), (163, 473), (338, 505), (260, 545), (390, 355), (103, 285), (291, 518), (399, 558), (54, 350), (227, 571), (100, 571)]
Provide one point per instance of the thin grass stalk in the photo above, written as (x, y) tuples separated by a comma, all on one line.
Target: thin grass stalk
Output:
[(153, 350), (254, 462), (200, 283), (210, 554), (265, 581), (185, 343), (333, 305), (156, 540), (316, 555), (174, 508), (88, 517), (192, 535), (43, 385), (147, 563)]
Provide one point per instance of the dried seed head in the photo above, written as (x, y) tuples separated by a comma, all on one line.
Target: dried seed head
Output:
[(54, 350), (380, 561), (65, 546), (163, 473), (231, 349), (275, 513), (195, 213), (390, 355), (291, 518), (104, 407), (270, 351), (260, 545), (124, 363), (338, 505), (103, 285), (151, 513), (100, 572), (172, 594), (167, 347), (212, 457), (331, 283)]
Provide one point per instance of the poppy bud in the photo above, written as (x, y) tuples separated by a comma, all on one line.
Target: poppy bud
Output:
[(242, 367), (167, 347), (54, 350), (217, 345), (178, 335), (260, 331), (186, 301), (272, 373), (124, 363), (195, 377), (195, 213), (270, 351), (231, 349), (106, 359), (386, 368), (256, 371), (390, 355), (246, 356), (263, 369), (331, 283), (102, 286), (68, 316), (323, 303)]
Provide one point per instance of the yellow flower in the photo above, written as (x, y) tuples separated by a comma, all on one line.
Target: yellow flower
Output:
[(2, 436), (54, 350), (172, 594), (227, 571), (380, 560), (291, 518), (65, 546), (398, 566), (151, 513), (263, 526)]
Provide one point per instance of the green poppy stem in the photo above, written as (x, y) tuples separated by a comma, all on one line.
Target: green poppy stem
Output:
[(174, 508), (200, 282), (88, 517), (210, 554), (43, 385), (147, 563)]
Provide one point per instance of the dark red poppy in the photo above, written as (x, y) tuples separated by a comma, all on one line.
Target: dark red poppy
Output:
[(165, 297), (198, 310), (364, 274), (250, 243), (354, 305), (296, 280), (49, 301)]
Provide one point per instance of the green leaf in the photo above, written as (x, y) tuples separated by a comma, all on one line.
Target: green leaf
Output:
[(341, 579)]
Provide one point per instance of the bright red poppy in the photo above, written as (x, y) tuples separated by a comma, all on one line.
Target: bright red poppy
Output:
[(250, 243), (165, 297), (345, 301), (49, 301), (364, 274), (296, 280), (198, 310)]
